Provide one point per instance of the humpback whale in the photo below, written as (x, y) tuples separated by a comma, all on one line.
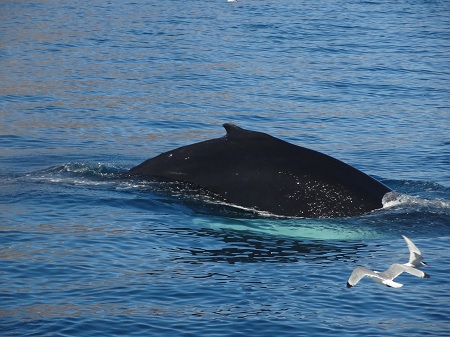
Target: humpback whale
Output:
[(255, 170)]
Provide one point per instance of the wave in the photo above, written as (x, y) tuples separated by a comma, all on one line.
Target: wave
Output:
[(398, 201), (99, 170), (79, 173)]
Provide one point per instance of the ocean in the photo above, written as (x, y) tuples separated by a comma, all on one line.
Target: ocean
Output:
[(90, 89)]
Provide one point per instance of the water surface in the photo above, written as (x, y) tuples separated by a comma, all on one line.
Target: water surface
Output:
[(89, 90)]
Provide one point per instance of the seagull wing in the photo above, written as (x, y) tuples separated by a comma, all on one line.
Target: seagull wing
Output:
[(415, 272), (393, 271), (396, 269), (415, 256), (358, 273), (387, 277)]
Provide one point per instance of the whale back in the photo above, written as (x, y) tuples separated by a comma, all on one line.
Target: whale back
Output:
[(258, 171)]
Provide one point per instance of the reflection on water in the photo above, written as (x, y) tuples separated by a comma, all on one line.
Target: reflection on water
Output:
[(246, 247)]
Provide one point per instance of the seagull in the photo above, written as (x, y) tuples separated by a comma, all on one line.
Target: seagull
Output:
[(387, 277), (415, 256)]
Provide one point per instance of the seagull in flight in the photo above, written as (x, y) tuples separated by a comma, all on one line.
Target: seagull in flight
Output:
[(415, 256), (387, 277)]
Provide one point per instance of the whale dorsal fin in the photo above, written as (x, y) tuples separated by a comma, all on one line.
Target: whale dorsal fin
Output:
[(235, 132)]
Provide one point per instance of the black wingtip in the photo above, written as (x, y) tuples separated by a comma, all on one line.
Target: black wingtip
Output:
[(349, 285), (425, 275)]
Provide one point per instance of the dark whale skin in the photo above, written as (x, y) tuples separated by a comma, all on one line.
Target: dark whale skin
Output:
[(255, 170)]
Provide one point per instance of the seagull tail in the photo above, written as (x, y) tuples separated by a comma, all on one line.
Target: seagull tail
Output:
[(392, 284)]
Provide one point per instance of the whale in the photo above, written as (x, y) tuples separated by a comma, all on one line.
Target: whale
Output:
[(260, 172)]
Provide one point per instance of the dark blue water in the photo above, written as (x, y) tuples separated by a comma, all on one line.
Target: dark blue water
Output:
[(90, 89)]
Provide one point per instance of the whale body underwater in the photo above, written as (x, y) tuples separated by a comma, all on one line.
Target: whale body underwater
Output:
[(257, 171)]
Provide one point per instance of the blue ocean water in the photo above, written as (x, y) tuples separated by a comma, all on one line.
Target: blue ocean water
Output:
[(90, 89)]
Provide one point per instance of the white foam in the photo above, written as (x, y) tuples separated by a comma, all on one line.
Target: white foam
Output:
[(394, 199)]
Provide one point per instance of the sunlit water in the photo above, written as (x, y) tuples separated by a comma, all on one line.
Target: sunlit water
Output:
[(88, 90)]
